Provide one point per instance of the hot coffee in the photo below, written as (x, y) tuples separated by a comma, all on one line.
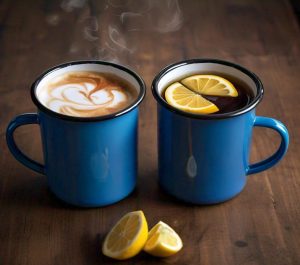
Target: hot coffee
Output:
[(86, 94), (89, 162)]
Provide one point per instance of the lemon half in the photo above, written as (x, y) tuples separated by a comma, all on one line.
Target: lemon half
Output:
[(184, 99), (211, 85), (127, 238), (163, 241)]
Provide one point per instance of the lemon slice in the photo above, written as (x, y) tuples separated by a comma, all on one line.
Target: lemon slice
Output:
[(184, 99), (162, 241), (127, 238), (210, 85)]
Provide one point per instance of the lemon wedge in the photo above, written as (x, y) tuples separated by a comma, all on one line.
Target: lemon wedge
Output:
[(211, 85), (185, 99), (127, 238), (163, 241)]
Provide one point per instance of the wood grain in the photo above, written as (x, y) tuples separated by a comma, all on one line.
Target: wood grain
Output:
[(260, 226)]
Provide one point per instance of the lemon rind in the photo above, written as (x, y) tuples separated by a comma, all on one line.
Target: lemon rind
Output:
[(221, 80), (122, 254)]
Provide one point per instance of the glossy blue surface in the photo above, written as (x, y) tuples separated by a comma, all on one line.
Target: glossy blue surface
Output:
[(86, 163), (206, 161)]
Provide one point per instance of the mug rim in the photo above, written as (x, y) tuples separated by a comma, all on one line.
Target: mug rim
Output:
[(132, 106), (247, 108)]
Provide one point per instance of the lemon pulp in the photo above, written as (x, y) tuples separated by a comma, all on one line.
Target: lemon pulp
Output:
[(186, 94)]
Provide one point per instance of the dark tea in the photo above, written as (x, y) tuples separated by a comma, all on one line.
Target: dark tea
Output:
[(230, 104), (226, 104)]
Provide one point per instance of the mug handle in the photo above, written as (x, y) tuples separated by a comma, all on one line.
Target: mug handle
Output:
[(278, 155), (23, 119)]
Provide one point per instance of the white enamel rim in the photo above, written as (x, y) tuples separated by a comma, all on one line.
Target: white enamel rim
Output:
[(99, 66)]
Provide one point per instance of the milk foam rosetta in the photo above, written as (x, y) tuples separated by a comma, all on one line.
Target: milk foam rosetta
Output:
[(85, 94)]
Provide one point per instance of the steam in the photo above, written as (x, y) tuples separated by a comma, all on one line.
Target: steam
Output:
[(118, 39), (70, 5), (91, 29), (53, 19), (117, 3), (174, 22), (129, 20), (161, 16), (127, 15)]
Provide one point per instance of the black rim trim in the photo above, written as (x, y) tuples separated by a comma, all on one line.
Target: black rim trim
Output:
[(167, 69), (41, 107)]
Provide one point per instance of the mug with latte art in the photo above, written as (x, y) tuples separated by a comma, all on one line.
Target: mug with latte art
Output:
[(88, 115)]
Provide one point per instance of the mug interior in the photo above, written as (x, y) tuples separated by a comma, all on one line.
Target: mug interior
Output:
[(95, 66), (183, 69)]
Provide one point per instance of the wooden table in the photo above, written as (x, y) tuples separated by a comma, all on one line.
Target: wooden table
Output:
[(260, 226)]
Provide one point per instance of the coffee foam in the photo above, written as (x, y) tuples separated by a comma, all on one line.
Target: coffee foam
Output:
[(85, 94)]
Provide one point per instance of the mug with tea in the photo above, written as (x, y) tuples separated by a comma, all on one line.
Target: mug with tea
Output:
[(206, 114), (88, 114)]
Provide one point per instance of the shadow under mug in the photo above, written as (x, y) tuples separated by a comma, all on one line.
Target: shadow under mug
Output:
[(203, 159), (88, 162)]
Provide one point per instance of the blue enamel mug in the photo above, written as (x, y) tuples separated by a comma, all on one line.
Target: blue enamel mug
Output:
[(204, 159), (88, 162)]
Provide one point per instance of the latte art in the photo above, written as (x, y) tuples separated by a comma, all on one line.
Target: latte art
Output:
[(86, 94)]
